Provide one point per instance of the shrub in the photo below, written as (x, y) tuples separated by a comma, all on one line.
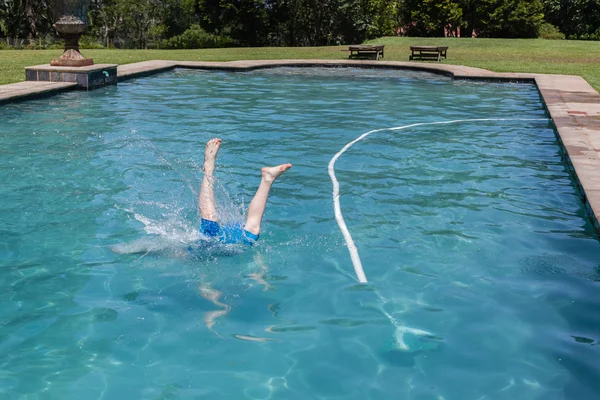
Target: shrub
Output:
[(34, 44), (550, 32), (41, 43), (13, 43), (196, 38), (587, 36), (87, 42)]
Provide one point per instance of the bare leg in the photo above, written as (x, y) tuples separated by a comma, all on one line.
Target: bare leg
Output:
[(206, 200), (256, 209)]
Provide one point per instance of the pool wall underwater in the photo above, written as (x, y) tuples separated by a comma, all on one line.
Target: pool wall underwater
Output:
[(573, 105)]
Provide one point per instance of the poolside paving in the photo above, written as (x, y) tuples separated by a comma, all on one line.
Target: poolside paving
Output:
[(572, 103), (144, 68), (575, 109), (26, 90)]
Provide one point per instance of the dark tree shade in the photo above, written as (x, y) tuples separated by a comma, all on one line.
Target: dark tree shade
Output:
[(77, 8), (176, 23)]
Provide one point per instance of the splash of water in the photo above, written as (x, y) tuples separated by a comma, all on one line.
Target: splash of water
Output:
[(168, 226)]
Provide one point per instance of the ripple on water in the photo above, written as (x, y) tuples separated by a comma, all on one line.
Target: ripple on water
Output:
[(483, 264)]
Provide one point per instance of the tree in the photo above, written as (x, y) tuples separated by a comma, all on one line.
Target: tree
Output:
[(385, 17), (13, 20), (509, 18), (178, 16), (325, 22), (245, 21), (575, 18), (104, 20), (140, 16), (432, 17), (470, 17), (38, 16), (126, 23), (25, 18)]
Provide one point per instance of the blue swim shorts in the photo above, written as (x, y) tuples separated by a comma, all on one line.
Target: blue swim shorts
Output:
[(229, 234)]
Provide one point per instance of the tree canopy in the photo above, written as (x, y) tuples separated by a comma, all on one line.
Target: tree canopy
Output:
[(217, 23)]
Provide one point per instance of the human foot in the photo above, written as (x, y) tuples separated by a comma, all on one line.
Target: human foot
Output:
[(210, 155), (269, 174)]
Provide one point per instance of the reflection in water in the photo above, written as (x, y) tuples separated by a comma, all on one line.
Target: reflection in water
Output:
[(213, 296)]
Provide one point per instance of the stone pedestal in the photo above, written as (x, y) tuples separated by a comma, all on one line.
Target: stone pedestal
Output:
[(88, 78), (71, 58)]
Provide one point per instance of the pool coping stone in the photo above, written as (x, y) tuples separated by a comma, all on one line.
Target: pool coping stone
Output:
[(571, 102), (31, 89)]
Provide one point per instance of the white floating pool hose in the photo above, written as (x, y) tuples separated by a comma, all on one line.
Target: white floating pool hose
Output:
[(358, 268)]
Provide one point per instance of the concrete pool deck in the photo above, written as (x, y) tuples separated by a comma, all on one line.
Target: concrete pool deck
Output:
[(572, 103), (27, 90)]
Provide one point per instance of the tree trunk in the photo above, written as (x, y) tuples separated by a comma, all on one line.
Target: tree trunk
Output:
[(31, 18), (468, 31), (140, 35), (105, 34), (145, 33), (141, 41)]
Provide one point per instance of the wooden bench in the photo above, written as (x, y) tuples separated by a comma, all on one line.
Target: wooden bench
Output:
[(366, 51), (428, 52)]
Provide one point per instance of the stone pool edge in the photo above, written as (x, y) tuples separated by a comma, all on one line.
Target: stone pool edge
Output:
[(572, 103)]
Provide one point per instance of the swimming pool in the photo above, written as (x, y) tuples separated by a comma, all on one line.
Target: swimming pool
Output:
[(472, 232)]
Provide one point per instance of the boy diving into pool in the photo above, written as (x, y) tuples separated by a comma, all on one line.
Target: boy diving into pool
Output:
[(209, 226), (230, 234)]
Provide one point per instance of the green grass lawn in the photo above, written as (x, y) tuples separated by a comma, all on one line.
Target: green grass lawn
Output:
[(501, 55)]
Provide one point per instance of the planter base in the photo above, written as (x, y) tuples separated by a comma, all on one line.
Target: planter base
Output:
[(87, 77), (72, 58)]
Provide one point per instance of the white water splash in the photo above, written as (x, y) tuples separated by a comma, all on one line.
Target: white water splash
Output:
[(171, 232)]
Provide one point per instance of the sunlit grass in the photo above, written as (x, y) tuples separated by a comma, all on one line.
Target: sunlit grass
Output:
[(501, 55)]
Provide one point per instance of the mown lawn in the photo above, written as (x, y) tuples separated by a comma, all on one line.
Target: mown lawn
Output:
[(501, 55)]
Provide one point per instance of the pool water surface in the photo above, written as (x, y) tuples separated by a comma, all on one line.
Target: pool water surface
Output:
[(483, 266)]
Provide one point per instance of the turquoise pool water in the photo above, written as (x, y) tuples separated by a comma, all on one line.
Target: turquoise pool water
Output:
[(473, 233)]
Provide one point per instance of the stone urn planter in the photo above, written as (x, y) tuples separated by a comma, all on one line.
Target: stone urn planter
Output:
[(70, 28)]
